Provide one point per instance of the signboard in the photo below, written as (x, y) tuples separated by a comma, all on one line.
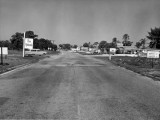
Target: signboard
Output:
[(28, 43), (153, 54), (4, 50), (113, 50)]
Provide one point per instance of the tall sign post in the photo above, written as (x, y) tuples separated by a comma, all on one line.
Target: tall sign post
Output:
[(24, 45), (3, 52), (111, 51), (1, 55), (27, 44), (153, 55)]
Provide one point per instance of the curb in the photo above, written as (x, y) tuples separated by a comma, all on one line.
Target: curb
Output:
[(11, 69)]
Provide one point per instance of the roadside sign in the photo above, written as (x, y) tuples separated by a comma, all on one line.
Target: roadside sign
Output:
[(4, 51), (153, 54), (28, 43), (112, 50)]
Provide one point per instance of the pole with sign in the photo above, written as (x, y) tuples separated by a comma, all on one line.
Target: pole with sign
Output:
[(24, 45), (27, 44), (152, 55), (1, 55)]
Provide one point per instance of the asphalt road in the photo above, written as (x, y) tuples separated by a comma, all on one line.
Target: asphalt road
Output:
[(75, 87)]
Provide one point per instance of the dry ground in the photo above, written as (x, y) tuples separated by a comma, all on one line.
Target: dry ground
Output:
[(15, 59)]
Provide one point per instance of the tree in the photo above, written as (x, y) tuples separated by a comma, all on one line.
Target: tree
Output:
[(125, 37), (54, 47), (60, 45), (75, 46), (44, 43), (95, 43), (67, 46), (138, 44), (17, 41), (154, 37), (86, 45), (114, 40), (102, 44), (91, 46), (36, 43), (126, 41), (30, 34), (6, 43), (143, 42)]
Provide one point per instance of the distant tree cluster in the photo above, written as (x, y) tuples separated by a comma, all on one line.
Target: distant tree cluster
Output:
[(86, 45), (154, 37), (141, 43), (65, 46), (126, 41), (5, 43), (104, 45), (74, 46), (16, 41)]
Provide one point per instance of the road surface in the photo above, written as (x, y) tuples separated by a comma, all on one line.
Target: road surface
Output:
[(76, 87)]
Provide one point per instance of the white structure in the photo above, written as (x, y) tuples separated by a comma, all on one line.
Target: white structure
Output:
[(4, 51), (28, 43)]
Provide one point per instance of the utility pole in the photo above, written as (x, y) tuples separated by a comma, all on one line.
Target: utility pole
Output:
[(24, 45), (1, 55)]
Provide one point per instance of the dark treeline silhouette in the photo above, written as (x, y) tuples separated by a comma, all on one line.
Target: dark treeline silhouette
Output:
[(16, 41)]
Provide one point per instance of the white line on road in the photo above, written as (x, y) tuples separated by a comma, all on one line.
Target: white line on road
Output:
[(63, 65), (79, 112)]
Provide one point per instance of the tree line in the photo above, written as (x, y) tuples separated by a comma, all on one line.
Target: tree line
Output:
[(104, 45), (67, 46), (153, 36), (16, 41)]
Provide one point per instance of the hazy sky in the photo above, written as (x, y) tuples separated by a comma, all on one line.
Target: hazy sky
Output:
[(79, 21)]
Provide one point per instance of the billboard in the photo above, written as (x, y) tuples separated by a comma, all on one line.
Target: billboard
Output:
[(28, 43), (4, 50), (153, 54)]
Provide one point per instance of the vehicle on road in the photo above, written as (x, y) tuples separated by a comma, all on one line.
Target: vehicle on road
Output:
[(30, 52)]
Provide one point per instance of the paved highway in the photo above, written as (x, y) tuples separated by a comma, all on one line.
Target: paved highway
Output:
[(75, 87)]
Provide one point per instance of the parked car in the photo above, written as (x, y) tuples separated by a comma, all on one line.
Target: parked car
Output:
[(30, 52)]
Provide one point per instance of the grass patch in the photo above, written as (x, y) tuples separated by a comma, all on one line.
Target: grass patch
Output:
[(15, 58), (139, 65)]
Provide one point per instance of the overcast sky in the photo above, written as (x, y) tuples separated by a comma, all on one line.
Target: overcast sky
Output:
[(79, 21)]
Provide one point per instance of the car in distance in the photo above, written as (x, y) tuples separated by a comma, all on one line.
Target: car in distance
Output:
[(30, 52)]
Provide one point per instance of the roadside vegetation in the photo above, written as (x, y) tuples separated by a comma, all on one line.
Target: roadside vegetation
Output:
[(16, 42), (142, 65), (15, 59), (15, 46)]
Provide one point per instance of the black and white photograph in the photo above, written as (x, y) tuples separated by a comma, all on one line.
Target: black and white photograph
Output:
[(80, 59)]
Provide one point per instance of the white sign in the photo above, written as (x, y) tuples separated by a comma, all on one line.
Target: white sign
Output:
[(4, 50), (112, 50), (28, 43), (152, 54)]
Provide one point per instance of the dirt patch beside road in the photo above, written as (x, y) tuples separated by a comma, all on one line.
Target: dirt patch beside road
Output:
[(139, 65), (15, 59)]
